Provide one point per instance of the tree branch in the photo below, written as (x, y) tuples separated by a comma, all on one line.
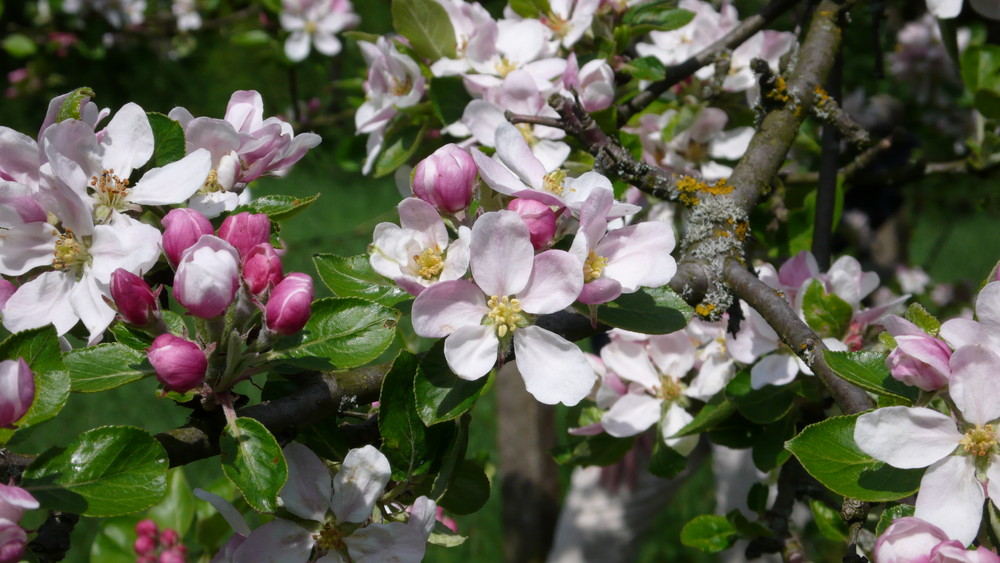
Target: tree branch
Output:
[(674, 74)]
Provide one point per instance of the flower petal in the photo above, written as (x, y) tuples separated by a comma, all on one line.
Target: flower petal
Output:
[(502, 255), (448, 306), (952, 498), (359, 483), (629, 360), (974, 383), (554, 369), (471, 350), (906, 437), (173, 183), (278, 541), (556, 281), (307, 491), (631, 414)]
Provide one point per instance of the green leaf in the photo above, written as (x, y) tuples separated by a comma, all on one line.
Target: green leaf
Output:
[(452, 458), (107, 471), (468, 491), (40, 349), (769, 445), (404, 437), (530, 8), (665, 461), (827, 314), (277, 207), (444, 537), (709, 533), (925, 321), (868, 371), (105, 366), (70, 108), (439, 394), (828, 452), (176, 510), (449, 98), (745, 527), (660, 16), (138, 339), (19, 46), (253, 461), (716, 410), (399, 147), (645, 68), (251, 38), (115, 540), (168, 138), (427, 26), (891, 513), (649, 311), (981, 67), (764, 405), (600, 449), (757, 498), (343, 331), (353, 277), (828, 520)]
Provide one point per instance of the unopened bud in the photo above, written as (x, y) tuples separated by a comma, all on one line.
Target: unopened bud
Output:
[(17, 390), (132, 296), (144, 545), (146, 527), (182, 228), (169, 537), (6, 290), (288, 307), (539, 218), (445, 178), (261, 267), (14, 539), (245, 230), (172, 556), (14, 501), (207, 277), (180, 364)]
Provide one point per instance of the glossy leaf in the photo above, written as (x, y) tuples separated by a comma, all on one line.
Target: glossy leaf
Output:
[(449, 98), (868, 371), (253, 461), (168, 139), (828, 452), (452, 459), (176, 510), (107, 471), (469, 489), (828, 520), (277, 207), (709, 533), (649, 311), (426, 24), (764, 405), (439, 394), (891, 513), (353, 277), (105, 366), (662, 15), (404, 436), (343, 332), (716, 410)]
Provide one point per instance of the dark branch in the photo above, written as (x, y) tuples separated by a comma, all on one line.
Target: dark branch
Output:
[(736, 37)]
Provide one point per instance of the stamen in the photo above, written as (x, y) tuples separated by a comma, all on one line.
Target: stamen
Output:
[(553, 182), (979, 441), (593, 267), (69, 253), (505, 314), (430, 263), (111, 193), (505, 66), (328, 539)]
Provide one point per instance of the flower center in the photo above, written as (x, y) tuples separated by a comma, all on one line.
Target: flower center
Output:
[(69, 253), (111, 194), (329, 538), (505, 314), (980, 440), (554, 181), (430, 263), (505, 66), (311, 27), (558, 25), (526, 132), (211, 183), (593, 267), (671, 389), (401, 87), (695, 152)]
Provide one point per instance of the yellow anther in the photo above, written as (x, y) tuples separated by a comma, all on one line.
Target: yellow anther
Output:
[(311, 27), (430, 263), (558, 25), (526, 132), (329, 539), (593, 267), (505, 314), (68, 252), (671, 388), (505, 66), (979, 441), (554, 181)]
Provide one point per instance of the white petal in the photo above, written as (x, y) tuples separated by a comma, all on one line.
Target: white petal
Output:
[(675, 419), (133, 246), (297, 46), (307, 491), (359, 483), (554, 369), (173, 183), (775, 369), (90, 303), (226, 510), (906, 437), (25, 247), (278, 541), (420, 216), (631, 414), (555, 282), (974, 383), (448, 306), (127, 141), (988, 306), (514, 152), (944, 9), (471, 350), (630, 361), (41, 301), (963, 332), (501, 253), (673, 354), (951, 498), (327, 44), (496, 175)]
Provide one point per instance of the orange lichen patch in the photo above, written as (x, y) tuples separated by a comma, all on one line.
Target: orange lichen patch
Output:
[(780, 91), (741, 230), (821, 96), (704, 310), (689, 187), (721, 187)]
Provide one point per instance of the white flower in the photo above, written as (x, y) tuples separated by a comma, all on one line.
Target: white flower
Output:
[(314, 22)]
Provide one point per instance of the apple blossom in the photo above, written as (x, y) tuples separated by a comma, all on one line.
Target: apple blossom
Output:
[(910, 540), (262, 268), (446, 178), (481, 320), (182, 228), (133, 297), (594, 83), (180, 364), (315, 22), (539, 218), (245, 230), (919, 359), (288, 306), (207, 277), (17, 391)]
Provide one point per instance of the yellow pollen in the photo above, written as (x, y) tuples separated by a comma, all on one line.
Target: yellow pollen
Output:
[(111, 193), (593, 267), (505, 314), (329, 538), (68, 252), (211, 183), (311, 27), (671, 388), (401, 88), (526, 132), (505, 66), (979, 441), (430, 263), (553, 182)]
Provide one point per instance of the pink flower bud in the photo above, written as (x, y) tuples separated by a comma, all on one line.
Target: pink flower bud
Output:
[(14, 501), (171, 556), (288, 308), (146, 527), (6, 290), (13, 540), (144, 545), (169, 537), (207, 277), (919, 359), (245, 230), (182, 228), (445, 178), (17, 390), (539, 218), (262, 266), (133, 297), (180, 364)]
